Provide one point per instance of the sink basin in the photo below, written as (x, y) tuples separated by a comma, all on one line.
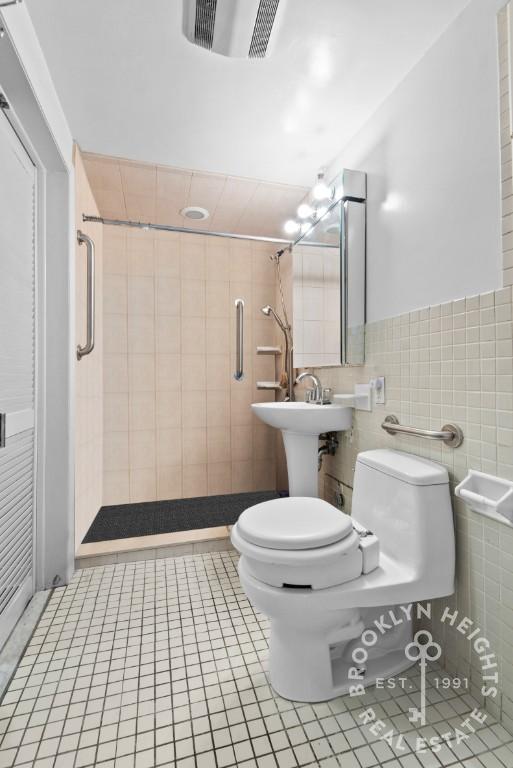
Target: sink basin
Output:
[(304, 418), (301, 424)]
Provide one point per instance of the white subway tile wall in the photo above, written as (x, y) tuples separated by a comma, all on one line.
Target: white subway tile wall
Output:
[(176, 423), (449, 363)]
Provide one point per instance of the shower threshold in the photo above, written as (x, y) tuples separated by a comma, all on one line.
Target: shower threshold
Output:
[(151, 530)]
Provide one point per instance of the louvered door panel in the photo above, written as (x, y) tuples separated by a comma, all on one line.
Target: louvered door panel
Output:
[(17, 375)]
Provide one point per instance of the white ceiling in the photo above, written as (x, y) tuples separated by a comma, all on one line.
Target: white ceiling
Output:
[(132, 86)]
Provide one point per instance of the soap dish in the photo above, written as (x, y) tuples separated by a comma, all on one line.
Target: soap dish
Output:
[(488, 495)]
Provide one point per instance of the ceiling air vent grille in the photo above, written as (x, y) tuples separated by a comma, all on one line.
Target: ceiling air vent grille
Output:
[(204, 23), (263, 28)]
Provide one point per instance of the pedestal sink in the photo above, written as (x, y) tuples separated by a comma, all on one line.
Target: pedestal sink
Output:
[(301, 424)]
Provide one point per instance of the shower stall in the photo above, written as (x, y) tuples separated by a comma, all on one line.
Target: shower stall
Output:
[(185, 348)]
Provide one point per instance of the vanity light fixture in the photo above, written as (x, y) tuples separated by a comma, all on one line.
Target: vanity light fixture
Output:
[(321, 195), (305, 211), (322, 191), (291, 227)]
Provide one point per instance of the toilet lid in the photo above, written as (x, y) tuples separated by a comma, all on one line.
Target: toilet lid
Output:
[(293, 523)]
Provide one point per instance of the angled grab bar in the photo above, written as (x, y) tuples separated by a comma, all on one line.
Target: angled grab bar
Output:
[(450, 434), (239, 340), (89, 345)]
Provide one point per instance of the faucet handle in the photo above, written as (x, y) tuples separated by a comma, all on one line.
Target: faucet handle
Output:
[(327, 393), (309, 395)]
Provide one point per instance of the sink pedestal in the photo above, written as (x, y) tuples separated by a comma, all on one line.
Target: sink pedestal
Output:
[(302, 460)]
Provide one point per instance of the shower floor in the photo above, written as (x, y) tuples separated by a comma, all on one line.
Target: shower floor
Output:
[(123, 521)]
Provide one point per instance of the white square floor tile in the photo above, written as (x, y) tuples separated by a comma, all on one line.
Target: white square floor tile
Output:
[(162, 663)]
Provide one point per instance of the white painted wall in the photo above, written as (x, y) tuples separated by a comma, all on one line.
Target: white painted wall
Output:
[(431, 152)]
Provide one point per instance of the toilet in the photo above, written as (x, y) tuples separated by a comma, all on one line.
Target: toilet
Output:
[(323, 578)]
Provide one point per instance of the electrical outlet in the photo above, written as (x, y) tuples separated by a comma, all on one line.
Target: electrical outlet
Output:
[(379, 390)]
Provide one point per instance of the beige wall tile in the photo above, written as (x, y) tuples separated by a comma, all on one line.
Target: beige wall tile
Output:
[(141, 295), (143, 485), (218, 444), (141, 373), (168, 296), (169, 482), (242, 476), (115, 451), (141, 334), (193, 298), (194, 372), (218, 408), (194, 409), (193, 335), (168, 333), (169, 447), (171, 366), (194, 478), (142, 453), (169, 409), (168, 373), (194, 446), (116, 487), (141, 410), (219, 478)]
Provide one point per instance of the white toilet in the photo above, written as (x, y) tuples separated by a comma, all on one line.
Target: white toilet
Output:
[(322, 577)]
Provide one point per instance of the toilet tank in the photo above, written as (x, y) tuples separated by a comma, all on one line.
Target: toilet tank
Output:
[(405, 501)]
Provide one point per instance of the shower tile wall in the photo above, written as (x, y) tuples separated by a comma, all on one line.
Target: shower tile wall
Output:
[(176, 423), (89, 370), (451, 362)]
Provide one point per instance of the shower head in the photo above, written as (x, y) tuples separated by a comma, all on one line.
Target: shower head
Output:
[(268, 311)]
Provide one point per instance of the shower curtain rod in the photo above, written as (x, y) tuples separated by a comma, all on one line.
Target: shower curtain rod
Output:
[(185, 230), (189, 231)]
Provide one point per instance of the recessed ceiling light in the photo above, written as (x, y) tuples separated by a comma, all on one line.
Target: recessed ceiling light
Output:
[(195, 212)]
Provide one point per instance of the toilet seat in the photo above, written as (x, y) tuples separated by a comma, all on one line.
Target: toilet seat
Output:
[(293, 523), (298, 542)]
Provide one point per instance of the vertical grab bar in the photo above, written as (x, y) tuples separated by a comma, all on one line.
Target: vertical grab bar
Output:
[(239, 339), (89, 345)]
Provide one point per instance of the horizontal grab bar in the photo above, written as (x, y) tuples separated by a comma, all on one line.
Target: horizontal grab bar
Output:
[(450, 434)]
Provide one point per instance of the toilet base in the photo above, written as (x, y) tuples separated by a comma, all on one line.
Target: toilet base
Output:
[(306, 666)]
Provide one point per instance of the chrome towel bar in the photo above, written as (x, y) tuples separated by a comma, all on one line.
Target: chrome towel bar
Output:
[(450, 434)]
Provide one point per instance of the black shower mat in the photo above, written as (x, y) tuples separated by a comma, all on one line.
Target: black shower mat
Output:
[(122, 521)]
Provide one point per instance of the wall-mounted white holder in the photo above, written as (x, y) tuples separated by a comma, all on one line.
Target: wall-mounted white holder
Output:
[(488, 495), (360, 400)]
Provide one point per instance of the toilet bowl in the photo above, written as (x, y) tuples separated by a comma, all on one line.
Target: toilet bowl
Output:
[(322, 577)]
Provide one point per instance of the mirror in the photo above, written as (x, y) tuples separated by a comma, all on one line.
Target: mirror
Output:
[(328, 276)]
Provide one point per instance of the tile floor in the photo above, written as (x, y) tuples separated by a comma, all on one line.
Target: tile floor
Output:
[(161, 663)]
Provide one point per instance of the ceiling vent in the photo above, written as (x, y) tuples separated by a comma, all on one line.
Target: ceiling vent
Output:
[(233, 28), (195, 212)]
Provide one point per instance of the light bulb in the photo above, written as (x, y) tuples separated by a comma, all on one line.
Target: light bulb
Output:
[(321, 191), (304, 211), (291, 227)]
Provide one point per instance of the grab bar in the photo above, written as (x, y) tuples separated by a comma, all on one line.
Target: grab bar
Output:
[(89, 345), (239, 339), (450, 434)]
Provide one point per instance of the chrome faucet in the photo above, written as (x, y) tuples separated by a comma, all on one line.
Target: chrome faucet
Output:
[(317, 394)]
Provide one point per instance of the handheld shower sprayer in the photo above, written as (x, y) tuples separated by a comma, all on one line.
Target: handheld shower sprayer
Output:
[(287, 380)]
